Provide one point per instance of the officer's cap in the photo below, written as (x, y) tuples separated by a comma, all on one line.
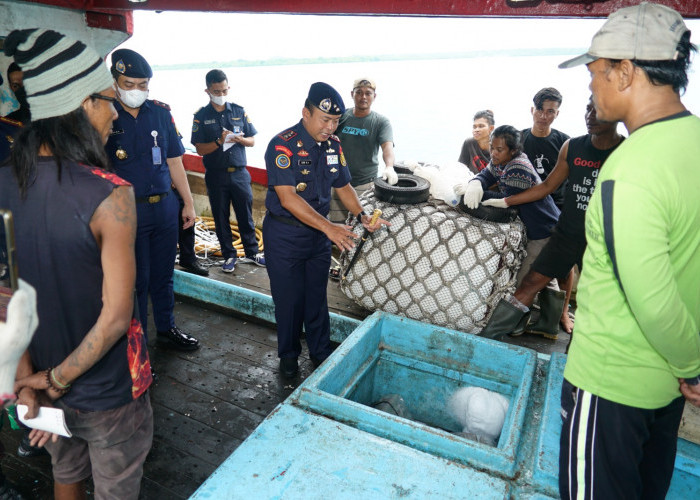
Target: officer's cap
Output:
[(129, 63), (326, 98)]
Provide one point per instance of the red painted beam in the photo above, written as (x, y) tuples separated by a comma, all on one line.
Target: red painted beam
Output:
[(460, 8), (193, 163)]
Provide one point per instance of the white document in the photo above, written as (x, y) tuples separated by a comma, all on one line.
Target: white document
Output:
[(228, 142), (49, 419)]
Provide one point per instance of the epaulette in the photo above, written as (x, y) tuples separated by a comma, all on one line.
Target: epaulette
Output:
[(287, 135), (334, 137), (161, 104), (10, 121)]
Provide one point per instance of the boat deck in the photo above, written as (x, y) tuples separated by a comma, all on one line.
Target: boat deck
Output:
[(207, 402)]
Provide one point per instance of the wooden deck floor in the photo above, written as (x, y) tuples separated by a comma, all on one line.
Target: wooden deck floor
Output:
[(207, 402)]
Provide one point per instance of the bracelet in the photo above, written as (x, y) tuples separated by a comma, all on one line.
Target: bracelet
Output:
[(359, 216), (55, 384)]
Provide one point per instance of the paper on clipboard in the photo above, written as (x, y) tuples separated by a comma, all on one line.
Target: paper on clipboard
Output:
[(49, 419), (228, 142)]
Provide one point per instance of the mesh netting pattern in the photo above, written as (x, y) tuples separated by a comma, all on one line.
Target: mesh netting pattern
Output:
[(434, 264)]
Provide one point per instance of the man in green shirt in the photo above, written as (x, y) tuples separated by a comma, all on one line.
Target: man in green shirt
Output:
[(362, 132), (636, 348)]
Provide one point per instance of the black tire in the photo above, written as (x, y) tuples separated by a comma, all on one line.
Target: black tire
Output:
[(491, 214), (409, 190), (402, 170)]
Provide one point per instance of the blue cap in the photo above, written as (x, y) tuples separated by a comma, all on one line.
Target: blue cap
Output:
[(326, 98), (129, 63)]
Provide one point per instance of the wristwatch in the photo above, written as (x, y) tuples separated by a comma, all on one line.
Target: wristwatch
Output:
[(693, 381), (359, 216), (218, 142)]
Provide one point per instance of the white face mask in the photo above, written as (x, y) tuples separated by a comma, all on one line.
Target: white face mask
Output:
[(132, 98), (219, 100)]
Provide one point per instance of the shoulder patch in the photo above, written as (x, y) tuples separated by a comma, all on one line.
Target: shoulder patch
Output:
[(283, 161), (284, 149), (287, 135), (334, 138), (161, 104), (113, 178)]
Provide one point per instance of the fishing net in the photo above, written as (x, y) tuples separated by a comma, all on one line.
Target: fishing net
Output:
[(434, 264)]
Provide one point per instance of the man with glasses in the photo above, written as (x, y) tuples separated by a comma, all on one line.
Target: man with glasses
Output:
[(221, 131), (541, 142), (362, 132), (146, 150)]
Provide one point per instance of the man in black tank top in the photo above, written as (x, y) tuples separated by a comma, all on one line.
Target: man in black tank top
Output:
[(579, 162)]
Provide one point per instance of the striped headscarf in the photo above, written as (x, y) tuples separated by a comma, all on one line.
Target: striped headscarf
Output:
[(59, 72)]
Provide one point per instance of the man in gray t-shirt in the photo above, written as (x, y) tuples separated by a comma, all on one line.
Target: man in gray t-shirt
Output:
[(362, 133)]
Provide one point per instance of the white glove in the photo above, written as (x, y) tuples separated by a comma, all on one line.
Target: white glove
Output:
[(460, 188), (473, 194), (16, 334), (495, 202), (390, 175)]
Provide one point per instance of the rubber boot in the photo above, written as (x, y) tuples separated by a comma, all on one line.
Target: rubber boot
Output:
[(506, 318), (551, 307)]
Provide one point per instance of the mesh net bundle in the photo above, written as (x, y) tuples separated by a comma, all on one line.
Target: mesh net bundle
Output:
[(434, 264)]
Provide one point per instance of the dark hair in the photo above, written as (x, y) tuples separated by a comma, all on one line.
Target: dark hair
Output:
[(512, 137), (70, 137), (486, 114), (671, 72), (12, 68), (215, 76), (546, 94)]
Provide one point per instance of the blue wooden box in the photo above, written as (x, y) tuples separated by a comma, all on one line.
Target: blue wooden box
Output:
[(424, 364)]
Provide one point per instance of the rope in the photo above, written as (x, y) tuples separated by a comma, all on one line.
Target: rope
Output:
[(206, 244)]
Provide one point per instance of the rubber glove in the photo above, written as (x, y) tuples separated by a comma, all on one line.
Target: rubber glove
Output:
[(473, 194), (390, 175), (15, 335), (495, 202)]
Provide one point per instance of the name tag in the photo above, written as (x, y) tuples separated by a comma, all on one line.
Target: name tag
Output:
[(209, 122), (332, 159), (304, 162)]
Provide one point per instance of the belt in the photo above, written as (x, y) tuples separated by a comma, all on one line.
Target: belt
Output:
[(287, 220), (233, 169), (154, 198)]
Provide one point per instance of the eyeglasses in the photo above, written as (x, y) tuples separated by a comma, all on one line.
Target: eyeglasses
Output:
[(104, 98), (219, 92)]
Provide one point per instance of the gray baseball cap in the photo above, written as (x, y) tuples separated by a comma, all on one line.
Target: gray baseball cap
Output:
[(644, 32)]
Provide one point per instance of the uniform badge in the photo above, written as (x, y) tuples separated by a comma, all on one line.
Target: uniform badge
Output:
[(305, 172), (10, 139), (342, 160), (332, 159), (283, 149), (120, 67), (286, 136), (330, 150), (303, 152), (334, 170), (282, 161), (325, 105), (121, 154), (195, 127), (300, 144), (304, 163), (301, 186)]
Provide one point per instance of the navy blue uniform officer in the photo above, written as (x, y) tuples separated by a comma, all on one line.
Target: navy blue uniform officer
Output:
[(303, 163), (146, 150), (226, 177)]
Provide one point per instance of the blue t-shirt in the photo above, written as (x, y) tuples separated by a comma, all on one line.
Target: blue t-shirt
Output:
[(207, 126), (134, 137), (294, 158)]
